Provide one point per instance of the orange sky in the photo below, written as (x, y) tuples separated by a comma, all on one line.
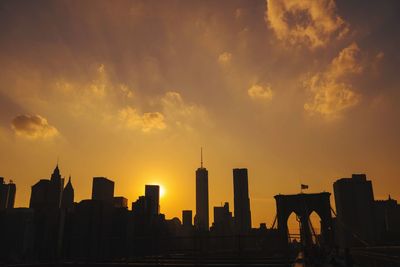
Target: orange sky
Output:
[(295, 91)]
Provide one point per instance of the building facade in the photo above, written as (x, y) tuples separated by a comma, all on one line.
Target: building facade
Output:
[(242, 211), (355, 221), (7, 194), (103, 189), (152, 194), (201, 219)]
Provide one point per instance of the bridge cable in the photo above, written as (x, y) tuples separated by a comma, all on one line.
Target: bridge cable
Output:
[(349, 230), (273, 224)]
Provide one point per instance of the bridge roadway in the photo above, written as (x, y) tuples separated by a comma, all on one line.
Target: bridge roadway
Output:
[(385, 256), (182, 261), (366, 257)]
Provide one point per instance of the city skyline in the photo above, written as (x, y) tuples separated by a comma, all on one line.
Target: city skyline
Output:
[(55, 227), (105, 194), (297, 92)]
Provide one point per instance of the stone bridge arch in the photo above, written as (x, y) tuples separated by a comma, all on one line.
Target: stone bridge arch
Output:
[(303, 205)]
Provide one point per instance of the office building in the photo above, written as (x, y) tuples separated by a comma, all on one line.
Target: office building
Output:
[(187, 218), (120, 202), (223, 221), (48, 193), (56, 187), (241, 201), (67, 201), (139, 207), (354, 199), (201, 219), (103, 189), (152, 194), (7, 194)]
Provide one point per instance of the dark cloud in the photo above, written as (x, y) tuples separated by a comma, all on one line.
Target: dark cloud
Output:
[(33, 127)]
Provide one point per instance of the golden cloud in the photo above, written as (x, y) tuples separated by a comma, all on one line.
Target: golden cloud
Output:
[(146, 122), (347, 62), (259, 92), (305, 22), (98, 96), (175, 113), (126, 91), (224, 58), (180, 113), (331, 92), (98, 87), (33, 127)]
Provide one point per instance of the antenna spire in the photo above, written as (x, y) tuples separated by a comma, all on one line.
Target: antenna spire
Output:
[(201, 157)]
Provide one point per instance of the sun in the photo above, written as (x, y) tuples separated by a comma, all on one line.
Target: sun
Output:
[(162, 191)]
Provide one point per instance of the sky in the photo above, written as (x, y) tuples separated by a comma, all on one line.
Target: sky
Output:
[(297, 91)]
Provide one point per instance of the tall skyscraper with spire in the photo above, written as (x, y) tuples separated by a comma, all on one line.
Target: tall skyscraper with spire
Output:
[(56, 188), (201, 219), (48, 193)]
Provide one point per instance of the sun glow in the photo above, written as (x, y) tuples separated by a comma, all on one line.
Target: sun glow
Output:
[(162, 191)]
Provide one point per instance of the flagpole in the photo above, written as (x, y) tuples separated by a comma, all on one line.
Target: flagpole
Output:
[(301, 188)]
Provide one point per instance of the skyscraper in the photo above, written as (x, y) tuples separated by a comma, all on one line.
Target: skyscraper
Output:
[(187, 218), (241, 201), (201, 220), (39, 195), (223, 222), (48, 193), (68, 195), (12, 188), (152, 194), (56, 187), (354, 201), (103, 189), (7, 194)]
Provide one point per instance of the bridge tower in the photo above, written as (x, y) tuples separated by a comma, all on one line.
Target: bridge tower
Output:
[(303, 205)]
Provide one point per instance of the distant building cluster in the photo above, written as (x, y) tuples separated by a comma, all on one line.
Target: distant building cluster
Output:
[(103, 228), (7, 194), (361, 220)]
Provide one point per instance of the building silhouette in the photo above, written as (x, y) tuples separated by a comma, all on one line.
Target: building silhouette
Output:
[(152, 194), (39, 194), (387, 219), (48, 218), (103, 229), (103, 189), (241, 201), (67, 201), (201, 219), (354, 199), (120, 202), (7, 194), (17, 234), (223, 220), (139, 207), (48, 193), (90, 230), (56, 188), (187, 218)]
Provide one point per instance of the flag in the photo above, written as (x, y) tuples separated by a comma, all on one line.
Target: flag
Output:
[(304, 186)]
